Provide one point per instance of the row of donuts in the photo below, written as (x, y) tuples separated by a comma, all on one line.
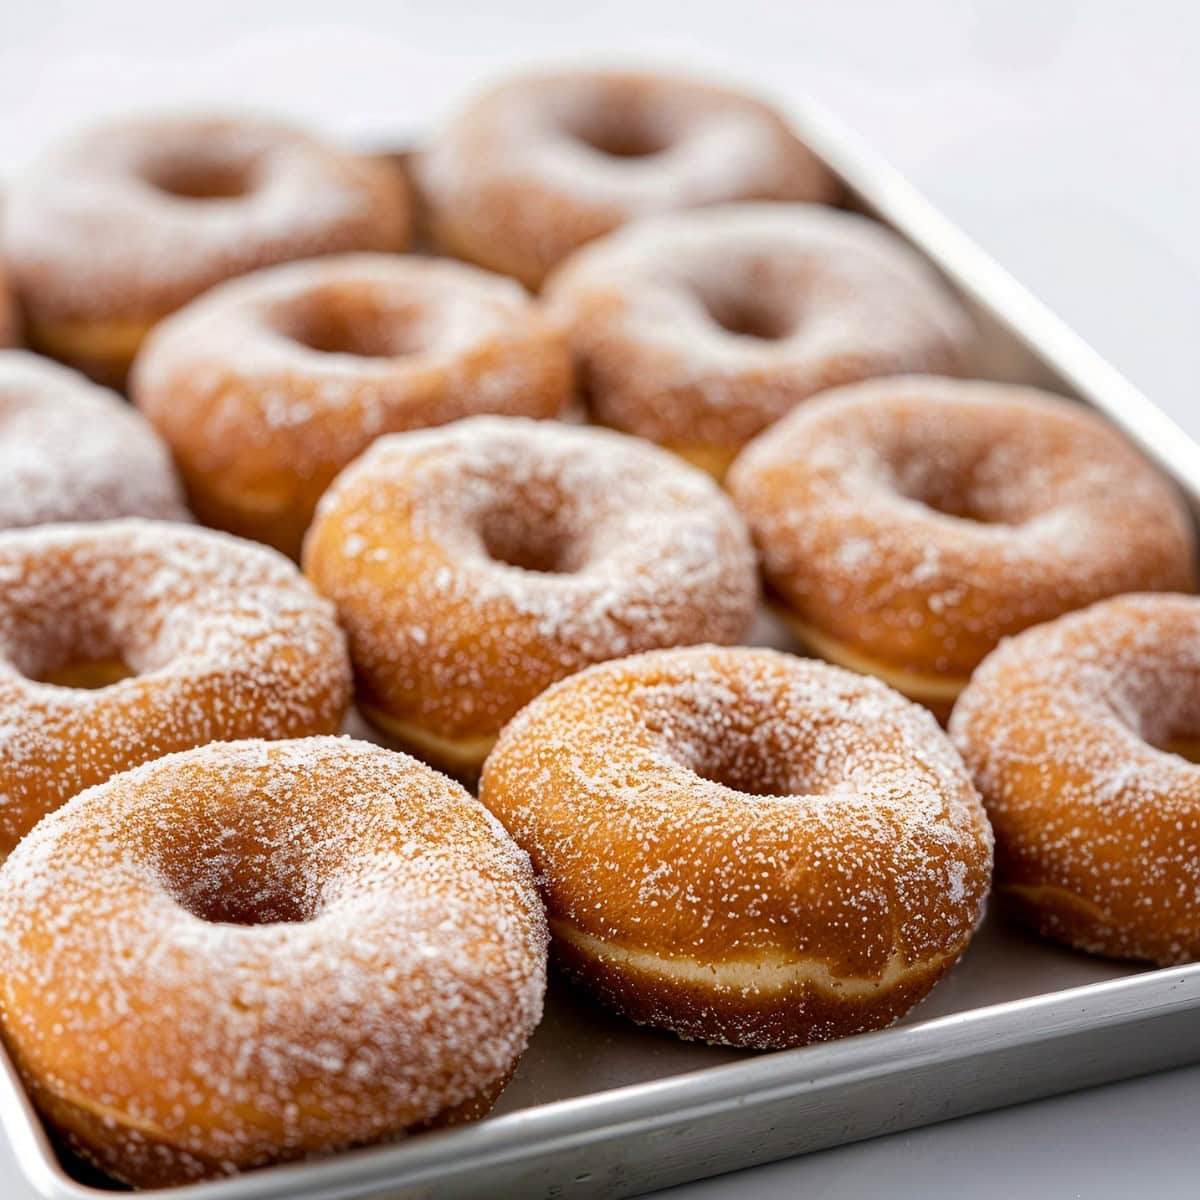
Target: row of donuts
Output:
[(905, 527)]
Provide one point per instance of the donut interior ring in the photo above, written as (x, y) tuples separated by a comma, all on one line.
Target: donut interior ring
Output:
[(260, 951), (121, 641), (907, 525), (475, 564), (742, 846), (267, 386), (698, 330), (71, 451), (541, 164), (125, 223), (1083, 736)]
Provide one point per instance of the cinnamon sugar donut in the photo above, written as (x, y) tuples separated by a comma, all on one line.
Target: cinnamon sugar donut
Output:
[(742, 846), (1083, 736), (698, 330), (907, 525), (546, 161), (269, 385), (474, 565), (121, 641), (375, 940), (124, 224), (71, 451)]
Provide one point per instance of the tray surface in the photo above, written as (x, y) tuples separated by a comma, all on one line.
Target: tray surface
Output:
[(599, 1107)]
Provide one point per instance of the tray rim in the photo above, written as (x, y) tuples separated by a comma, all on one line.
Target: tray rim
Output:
[(1142, 999)]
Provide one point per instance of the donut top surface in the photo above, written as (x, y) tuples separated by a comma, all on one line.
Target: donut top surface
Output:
[(71, 451), (134, 218), (730, 802), (705, 326), (476, 563), (538, 165), (924, 519), (1070, 730), (262, 947)]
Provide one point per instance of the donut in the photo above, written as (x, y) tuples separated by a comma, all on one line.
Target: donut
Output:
[(544, 162), (1083, 736), (907, 525), (121, 641), (375, 939), (125, 223), (269, 385), (742, 846), (72, 451), (699, 330), (474, 565)]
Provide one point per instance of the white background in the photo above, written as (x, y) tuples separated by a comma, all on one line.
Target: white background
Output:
[(1061, 135)]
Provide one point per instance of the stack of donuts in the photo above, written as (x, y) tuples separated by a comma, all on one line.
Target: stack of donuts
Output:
[(402, 625)]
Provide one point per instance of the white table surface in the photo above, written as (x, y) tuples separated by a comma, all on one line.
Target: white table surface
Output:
[(1061, 135)]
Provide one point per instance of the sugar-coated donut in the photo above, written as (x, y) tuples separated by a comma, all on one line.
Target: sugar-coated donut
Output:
[(72, 451), (698, 330), (123, 224), (269, 385), (259, 951), (474, 565), (541, 164), (907, 525), (743, 846), (1083, 736), (121, 641)]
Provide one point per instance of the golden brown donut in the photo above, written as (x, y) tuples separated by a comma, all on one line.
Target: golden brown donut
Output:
[(474, 565), (1083, 736), (907, 525), (125, 223), (121, 641), (259, 951), (699, 330), (541, 164), (742, 846), (268, 386), (71, 451)]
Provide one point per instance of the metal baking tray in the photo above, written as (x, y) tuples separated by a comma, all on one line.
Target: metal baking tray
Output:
[(601, 1108)]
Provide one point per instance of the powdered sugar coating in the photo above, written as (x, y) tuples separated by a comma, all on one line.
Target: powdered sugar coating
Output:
[(700, 329), (1067, 730), (387, 962), (546, 161), (730, 806), (225, 639), (267, 386), (920, 520), (474, 565), (132, 219), (70, 451)]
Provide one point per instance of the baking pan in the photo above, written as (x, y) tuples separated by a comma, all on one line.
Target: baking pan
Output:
[(601, 1108)]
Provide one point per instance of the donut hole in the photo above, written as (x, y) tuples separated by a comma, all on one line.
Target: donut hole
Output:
[(228, 877), (90, 674), (751, 778), (354, 321), (197, 179), (621, 135), (747, 303), (517, 538)]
